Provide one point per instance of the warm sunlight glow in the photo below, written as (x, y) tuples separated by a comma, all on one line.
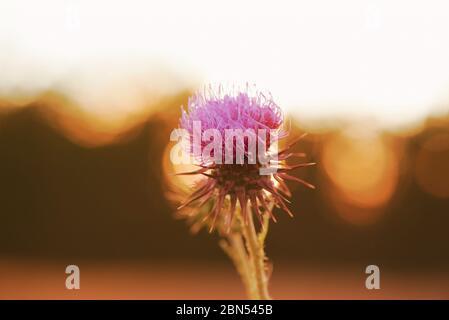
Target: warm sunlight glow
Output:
[(321, 59), (364, 169)]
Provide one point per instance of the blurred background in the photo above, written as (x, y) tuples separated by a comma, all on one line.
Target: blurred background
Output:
[(90, 91)]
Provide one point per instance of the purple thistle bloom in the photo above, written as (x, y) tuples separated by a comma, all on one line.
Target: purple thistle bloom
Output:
[(242, 183), (227, 111)]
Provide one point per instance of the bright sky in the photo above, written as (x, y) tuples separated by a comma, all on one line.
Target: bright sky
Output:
[(387, 59)]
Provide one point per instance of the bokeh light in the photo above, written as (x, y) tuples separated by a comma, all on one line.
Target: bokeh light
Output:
[(363, 169), (320, 59)]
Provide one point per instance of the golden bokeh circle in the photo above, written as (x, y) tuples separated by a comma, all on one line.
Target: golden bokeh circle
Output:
[(363, 173)]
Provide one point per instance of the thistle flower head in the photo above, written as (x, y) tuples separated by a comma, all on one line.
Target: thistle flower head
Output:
[(228, 185), (218, 110)]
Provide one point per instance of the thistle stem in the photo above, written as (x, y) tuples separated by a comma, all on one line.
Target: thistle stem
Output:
[(245, 248), (235, 249), (257, 258)]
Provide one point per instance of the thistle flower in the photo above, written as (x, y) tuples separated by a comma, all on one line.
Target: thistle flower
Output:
[(241, 183)]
